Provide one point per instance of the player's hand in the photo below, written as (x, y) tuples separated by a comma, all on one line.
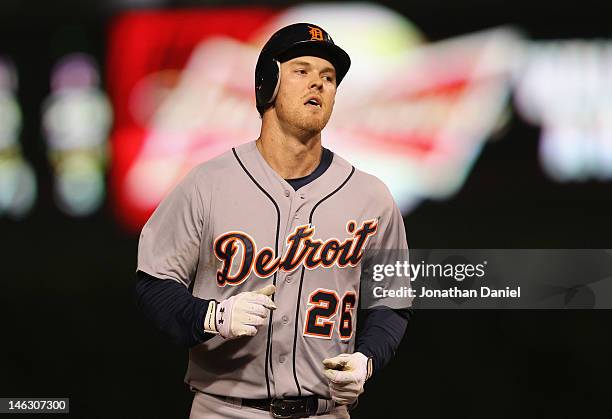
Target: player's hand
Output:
[(243, 314), (347, 374)]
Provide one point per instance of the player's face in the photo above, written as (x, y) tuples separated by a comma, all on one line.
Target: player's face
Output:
[(306, 94)]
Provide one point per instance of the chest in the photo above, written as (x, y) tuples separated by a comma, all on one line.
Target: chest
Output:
[(261, 233)]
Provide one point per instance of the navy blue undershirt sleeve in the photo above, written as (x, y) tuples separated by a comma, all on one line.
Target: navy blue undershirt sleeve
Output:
[(380, 333), (172, 309)]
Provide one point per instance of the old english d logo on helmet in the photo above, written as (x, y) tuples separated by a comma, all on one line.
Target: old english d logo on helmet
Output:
[(292, 41), (316, 34)]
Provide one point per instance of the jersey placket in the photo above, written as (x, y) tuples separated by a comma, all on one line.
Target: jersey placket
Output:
[(287, 290)]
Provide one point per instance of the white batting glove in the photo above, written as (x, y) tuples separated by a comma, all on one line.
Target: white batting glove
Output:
[(242, 314), (347, 374)]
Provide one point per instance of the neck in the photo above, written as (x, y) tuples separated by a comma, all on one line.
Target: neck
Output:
[(292, 154)]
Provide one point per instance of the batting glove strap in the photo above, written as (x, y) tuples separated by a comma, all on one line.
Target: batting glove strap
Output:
[(370, 367), (210, 320)]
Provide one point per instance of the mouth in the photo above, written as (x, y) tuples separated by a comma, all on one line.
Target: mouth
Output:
[(314, 102)]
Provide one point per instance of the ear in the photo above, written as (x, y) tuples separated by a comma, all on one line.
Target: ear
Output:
[(267, 81)]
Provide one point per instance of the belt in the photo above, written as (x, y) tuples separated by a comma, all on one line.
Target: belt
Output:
[(288, 408)]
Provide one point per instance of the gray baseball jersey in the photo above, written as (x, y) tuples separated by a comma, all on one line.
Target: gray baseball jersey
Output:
[(234, 225)]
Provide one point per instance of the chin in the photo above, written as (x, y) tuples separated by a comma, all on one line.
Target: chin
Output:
[(313, 126), (304, 121), (312, 123)]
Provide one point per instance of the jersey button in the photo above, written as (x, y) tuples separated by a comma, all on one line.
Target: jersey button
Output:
[(282, 359), (285, 319), (288, 280), (287, 193)]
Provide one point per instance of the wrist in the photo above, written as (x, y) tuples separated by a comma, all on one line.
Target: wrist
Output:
[(210, 319)]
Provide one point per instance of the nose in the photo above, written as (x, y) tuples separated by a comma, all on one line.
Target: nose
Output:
[(316, 83)]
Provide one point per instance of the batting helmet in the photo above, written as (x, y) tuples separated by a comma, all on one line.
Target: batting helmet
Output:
[(292, 41)]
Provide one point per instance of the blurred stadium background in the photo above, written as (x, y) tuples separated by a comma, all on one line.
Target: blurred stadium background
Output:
[(491, 121)]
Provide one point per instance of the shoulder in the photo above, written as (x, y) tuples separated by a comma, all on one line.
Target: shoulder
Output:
[(368, 185), (215, 166), (218, 168)]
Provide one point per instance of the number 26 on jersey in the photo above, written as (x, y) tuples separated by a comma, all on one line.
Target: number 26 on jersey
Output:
[(328, 314)]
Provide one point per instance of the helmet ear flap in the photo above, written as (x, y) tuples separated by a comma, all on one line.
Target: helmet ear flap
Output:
[(267, 81)]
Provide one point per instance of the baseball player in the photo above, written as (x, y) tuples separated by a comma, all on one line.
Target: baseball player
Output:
[(254, 260)]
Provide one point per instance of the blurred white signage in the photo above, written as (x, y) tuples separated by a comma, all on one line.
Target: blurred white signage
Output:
[(17, 179), (76, 121), (566, 88)]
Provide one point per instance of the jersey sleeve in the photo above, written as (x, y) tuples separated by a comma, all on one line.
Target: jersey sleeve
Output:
[(391, 229), (386, 261), (169, 245)]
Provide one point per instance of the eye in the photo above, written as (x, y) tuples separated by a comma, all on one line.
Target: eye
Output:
[(329, 78), (300, 71)]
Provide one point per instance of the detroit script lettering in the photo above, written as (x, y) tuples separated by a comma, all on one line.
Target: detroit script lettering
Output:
[(302, 250)]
